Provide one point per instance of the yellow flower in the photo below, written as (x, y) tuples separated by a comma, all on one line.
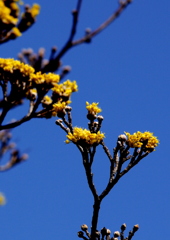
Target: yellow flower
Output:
[(2, 199), (84, 136), (46, 100), (31, 94), (65, 89), (35, 10), (139, 139), (51, 78), (58, 108), (40, 78), (93, 108), (10, 65), (5, 16), (16, 32)]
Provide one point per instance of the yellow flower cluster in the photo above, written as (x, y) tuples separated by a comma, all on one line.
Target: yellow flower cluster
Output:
[(66, 88), (47, 100), (49, 78), (16, 32), (2, 199), (5, 14), (30, 84), (84, 136), (93, 108), (59, 107), (10, 65), (35, 10), (138, 139)]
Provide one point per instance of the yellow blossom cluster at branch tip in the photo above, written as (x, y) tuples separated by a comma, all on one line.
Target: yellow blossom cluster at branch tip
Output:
[(5, 16), (2, 199), (49, 78), (47, 100), (85, 137), (35, 10), (93, 108), (10, 65), (139, 139), (31, 85), (16, 32), (66, 88), (59, 107)]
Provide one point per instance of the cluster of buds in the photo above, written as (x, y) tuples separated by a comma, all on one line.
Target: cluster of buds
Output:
[(105, 234), (12, 22), (39, 62), (85, 138), (7, 146)]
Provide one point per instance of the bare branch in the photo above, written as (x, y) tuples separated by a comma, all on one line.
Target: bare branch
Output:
[(106, 151), (92, 34), (53, 63)]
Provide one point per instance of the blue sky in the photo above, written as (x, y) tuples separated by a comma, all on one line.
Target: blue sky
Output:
[(126, 70)]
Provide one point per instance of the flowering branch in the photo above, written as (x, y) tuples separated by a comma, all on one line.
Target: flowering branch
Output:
[(19, 82), (87, 142), (12, 22)]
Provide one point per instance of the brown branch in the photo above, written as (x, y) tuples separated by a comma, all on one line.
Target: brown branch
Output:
[(53, 63), (92, 34), (95, 216), (31, 114), (92, 155), (89, 174), (107, 151), (118, 176), (132, 164)]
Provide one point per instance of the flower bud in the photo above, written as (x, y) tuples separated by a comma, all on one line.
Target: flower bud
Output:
[(68, 108), (24, 157), (103, 231), (100, 118), (58, 121), (108, 232), (123, 227), (122, 138), (66, 69), (84, 227), (135, 228), (80, 234), (116, 234), (41, 52), (97, 233)]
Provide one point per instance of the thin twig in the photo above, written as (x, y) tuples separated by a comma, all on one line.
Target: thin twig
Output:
[(89, 174), (103, 25), (51, 66), (53, 63), (106, 151)]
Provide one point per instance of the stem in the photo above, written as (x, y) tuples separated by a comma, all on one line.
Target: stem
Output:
[(53, 64), (3, 114), (96, 208), (103, 25)]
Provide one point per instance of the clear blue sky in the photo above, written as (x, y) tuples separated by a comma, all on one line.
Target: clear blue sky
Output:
[(126, 70)]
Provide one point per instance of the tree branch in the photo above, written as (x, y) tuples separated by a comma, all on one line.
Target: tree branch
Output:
[(53, 63), (92, 34)]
